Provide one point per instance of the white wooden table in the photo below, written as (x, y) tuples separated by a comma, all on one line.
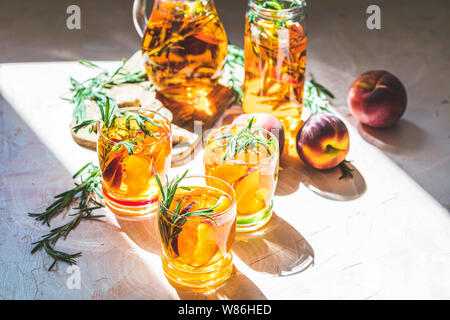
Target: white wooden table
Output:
[(391, 241)]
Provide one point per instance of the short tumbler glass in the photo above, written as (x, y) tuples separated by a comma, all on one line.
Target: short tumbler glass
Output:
[(129, 160), (251, 170), (196, 248)]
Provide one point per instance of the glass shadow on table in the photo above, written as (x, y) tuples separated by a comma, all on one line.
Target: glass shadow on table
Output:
[(325, 183), (237, 287), (277, 249), (143, 232)]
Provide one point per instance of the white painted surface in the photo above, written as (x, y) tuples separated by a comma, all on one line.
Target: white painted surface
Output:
[(391, 242)]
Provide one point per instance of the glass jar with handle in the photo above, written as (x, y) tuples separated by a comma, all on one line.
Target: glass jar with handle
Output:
[(184, 45)]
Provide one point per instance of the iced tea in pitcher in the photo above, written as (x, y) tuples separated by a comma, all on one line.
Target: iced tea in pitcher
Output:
[(275, 59), (184, 47)]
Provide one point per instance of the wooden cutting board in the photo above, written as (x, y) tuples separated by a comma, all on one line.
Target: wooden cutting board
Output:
[(186, 119)]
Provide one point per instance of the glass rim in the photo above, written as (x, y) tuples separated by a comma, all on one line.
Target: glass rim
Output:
[(218, 214), (268, 158), (167, 136), (276, 13)]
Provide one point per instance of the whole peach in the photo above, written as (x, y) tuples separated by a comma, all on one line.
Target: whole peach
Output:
[(323, 141), (377, 99)]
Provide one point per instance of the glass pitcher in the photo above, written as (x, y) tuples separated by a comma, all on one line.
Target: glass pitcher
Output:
[(184, 46)]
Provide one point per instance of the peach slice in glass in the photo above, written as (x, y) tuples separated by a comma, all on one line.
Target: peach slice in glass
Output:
[(195, 242), (230, 172), (111, 168), (137, 175), (222, 204), (246, 188)]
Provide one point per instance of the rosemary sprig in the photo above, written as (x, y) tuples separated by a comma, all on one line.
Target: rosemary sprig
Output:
[(235, 61), (90, 177), (85, 123), (315, 97), (129, 145), (110, 113), (190, 17), (93, 88), (171, 226), (140, 120), (245, 139), (277, 4), (273, 4)]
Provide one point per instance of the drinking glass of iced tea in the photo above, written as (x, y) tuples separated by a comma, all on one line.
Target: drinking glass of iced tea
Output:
[(247, 159), (275, 60), (184, 46), (197, 225), (134, 146)]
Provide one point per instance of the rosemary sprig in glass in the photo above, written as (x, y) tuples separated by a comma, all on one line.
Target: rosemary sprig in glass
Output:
[(245, 139), (316, 97), (277, 4), (140, 120), (171, 225), (109, 114), (90, 177), (129, 145)]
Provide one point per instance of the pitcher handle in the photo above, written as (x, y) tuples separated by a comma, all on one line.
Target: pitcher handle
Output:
[(139, 16)]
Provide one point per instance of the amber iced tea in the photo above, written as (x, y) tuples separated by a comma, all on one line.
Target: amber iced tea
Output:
[(184, 48), (130, 152), (197, 230), (275, 59), (248, 161)]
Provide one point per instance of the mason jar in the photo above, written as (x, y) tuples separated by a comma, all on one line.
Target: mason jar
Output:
[(275, 61)]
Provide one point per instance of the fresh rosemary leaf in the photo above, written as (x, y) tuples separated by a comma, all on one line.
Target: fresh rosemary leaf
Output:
[(171, 226), (84, 124), (315, 97), (93, 88), (272, 5), (90, 177), (129, 145), (88, 64), (79, 172), (245, 139), (234, 62), (277, 4), (148, 120)]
